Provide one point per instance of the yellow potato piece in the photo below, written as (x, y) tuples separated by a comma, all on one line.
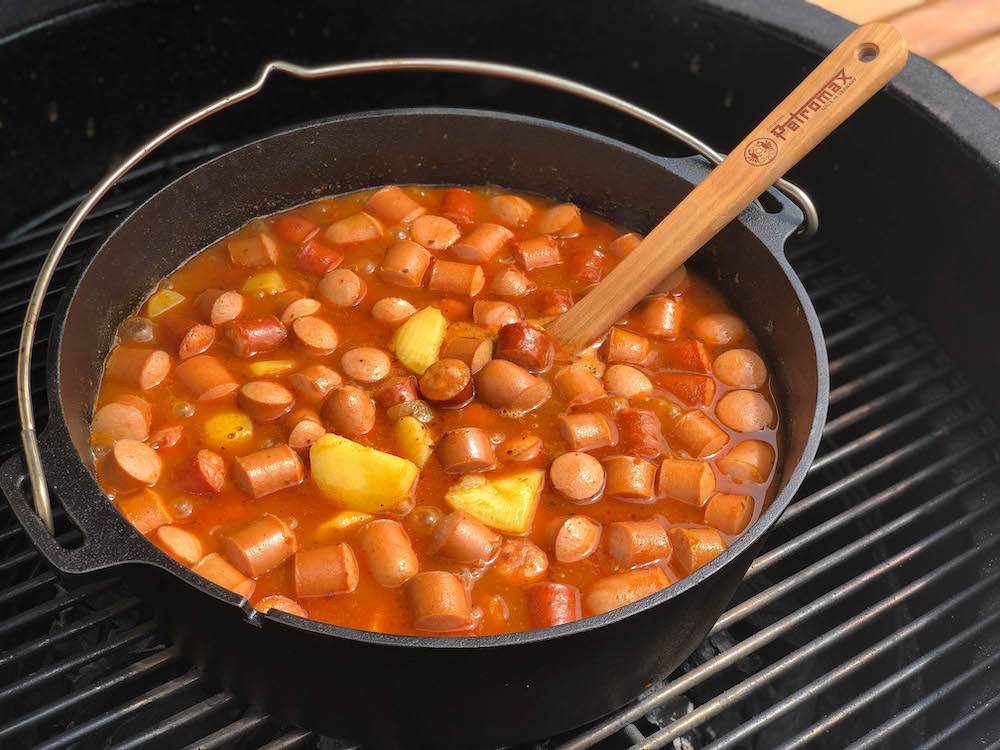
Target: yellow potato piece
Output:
[(162, 301), (414, 440), (360, 477), (504, 503), (265, 283), (229, 429), (418, 341), (341, 522), (271, 367)]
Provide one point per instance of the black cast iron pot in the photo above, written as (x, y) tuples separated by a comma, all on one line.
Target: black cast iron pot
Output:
[(391, 690)]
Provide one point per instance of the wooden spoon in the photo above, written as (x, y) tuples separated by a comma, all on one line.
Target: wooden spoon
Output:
[(861, 65)]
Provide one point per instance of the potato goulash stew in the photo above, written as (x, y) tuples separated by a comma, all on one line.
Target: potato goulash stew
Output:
[(351, 412)]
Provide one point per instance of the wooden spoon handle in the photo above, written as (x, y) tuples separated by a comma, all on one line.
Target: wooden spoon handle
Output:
[(861, 65)]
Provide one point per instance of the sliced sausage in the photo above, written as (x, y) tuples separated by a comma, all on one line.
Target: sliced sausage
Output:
[(474, 352), (456, 278), (520, 562), (295, 305), (685, 354), (639, 433), (386, 551), (576, 538), (293, 229), (525, 345), (453, 310), (749, 461), (624, 588), (167, 437), (512, 210), (563, 220), (466, 449), (524, 448), (203, 474), (396, 391), (438, 602), (265, 401), (692, 389), (144, 509), (587, 432), (348, 411), (216, 307), (482, 243), (131, 465), (180, 544), (122, 420), (393, 206), (691, 482), (315, 381), (728, 513), (578, 385), (744, 411), (434, 232), (624, 380), (251, 336), (315, 335), (625, 346), (215, 569), (459, 205), (538, 252), (660, 316), (404, 264), (577, 476), (675, 283), (504, 385), (694, 548), (587, 264), (625, 244), (354, 230), (392, 310), (719, 329), (634, 543), (494, 314), (253, 250), (304, 428), (553, 604), (696, 434), (447, 382), (342, 288), (510, 283), (260, 546), (366, 363), (268, 470), (317, 258), (461, 538), (139, 368), (325, 571), (629, 478), (282, 604), (740, 368), (188, 337), (554, 301)]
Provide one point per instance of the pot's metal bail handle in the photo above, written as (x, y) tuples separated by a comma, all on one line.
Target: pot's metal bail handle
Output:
[(42, 503)]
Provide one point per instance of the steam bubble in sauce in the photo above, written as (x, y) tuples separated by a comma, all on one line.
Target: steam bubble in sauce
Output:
[(135, 331), (181, 507), (100, 450), (425, 516), (183, 409)]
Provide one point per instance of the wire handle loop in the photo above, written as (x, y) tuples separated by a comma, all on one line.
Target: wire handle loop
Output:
[(29, 439)]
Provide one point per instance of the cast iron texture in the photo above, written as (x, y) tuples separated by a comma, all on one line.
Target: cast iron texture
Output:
[(384, 689)]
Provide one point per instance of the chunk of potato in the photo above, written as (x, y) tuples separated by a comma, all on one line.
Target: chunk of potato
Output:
[(265, 283), (271, 367), (418, 341), (229, 429), (162, 301), (360, 477), (504, 503), (414, 440)]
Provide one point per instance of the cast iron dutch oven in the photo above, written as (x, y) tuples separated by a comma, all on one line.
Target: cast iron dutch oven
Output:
[(391, 690)]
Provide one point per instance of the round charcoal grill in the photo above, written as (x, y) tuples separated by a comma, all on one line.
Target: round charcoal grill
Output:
[(871, 618)]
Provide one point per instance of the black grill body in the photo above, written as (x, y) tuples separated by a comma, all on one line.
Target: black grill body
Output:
[(870, 619)]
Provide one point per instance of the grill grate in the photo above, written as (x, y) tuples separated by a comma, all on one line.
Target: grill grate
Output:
[(870, 619)]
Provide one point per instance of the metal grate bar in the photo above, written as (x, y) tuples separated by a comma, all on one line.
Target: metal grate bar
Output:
[(876, 347), (110, 646), (849, 307), (873, 377), (198, 712), (817, 268), (818, 291), (298, 738), (27, 587), (32, 554), (989, 708), (897, 678), (831, 637), (57, 604), (889, 312), (138, 669), (228, 734)]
